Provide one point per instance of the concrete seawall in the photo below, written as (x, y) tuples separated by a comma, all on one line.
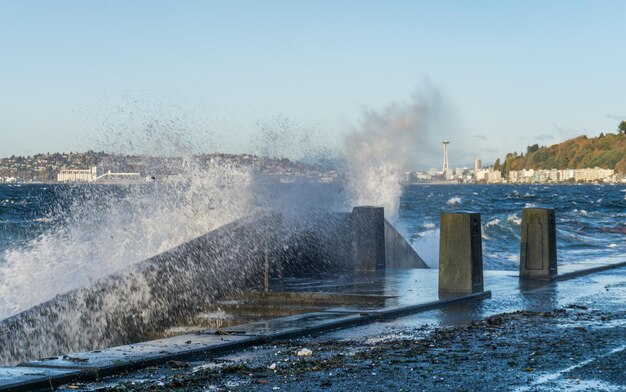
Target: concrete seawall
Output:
[(127, 306), (338, 242), (154, 293)]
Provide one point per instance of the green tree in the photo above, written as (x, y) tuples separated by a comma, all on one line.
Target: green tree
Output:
[(496, 166), (533, 148), (622, 127)]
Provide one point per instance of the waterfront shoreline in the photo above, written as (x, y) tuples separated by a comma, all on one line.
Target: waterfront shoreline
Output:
[(579, 345)]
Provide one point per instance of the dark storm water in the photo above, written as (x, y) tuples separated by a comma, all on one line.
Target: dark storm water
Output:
[(591, 219)]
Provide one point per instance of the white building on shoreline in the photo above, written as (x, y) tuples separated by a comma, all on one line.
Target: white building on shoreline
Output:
[(556, 176), (91, 175), (72, 175)]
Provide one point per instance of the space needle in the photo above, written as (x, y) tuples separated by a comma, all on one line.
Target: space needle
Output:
[(445, 156)]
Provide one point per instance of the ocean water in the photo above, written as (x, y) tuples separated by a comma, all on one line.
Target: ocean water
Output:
[(591, 219)]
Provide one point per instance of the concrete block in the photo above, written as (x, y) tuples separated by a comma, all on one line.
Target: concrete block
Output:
[(368, 228), (538, 244), (460, 254)]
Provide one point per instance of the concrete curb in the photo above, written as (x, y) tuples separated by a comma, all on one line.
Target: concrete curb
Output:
[(56, 371), (28, 379), (400, 311), (583, 272)]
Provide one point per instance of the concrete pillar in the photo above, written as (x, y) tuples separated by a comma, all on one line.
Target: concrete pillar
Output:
[(460, 253), (368, 230), (538, 244)]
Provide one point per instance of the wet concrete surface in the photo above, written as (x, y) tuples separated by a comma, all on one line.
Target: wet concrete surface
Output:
[(31, 378), (568, 335), (121, 358), (386, 289)]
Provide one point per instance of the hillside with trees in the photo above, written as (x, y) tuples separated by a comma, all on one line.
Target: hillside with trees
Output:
[(607, 151)]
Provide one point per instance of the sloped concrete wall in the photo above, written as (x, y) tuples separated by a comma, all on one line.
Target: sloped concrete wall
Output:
[(126, 307), (398, 252), (319, 242)]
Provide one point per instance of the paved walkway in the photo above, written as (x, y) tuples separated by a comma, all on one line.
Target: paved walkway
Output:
[(568, 335)]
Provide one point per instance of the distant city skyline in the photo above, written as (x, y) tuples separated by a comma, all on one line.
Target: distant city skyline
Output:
[(81, 75)]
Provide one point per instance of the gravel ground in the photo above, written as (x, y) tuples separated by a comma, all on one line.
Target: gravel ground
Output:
[(581, 346)]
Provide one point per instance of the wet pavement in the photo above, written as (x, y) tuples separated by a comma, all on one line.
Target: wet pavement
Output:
[(568, 335)]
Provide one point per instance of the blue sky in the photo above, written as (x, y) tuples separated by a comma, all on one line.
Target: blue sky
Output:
[(512, 73)]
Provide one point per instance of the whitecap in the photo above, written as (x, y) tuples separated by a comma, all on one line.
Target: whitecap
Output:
[(425, 233), (43, 220), (454, 201), (514, 219), (493, 222)]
